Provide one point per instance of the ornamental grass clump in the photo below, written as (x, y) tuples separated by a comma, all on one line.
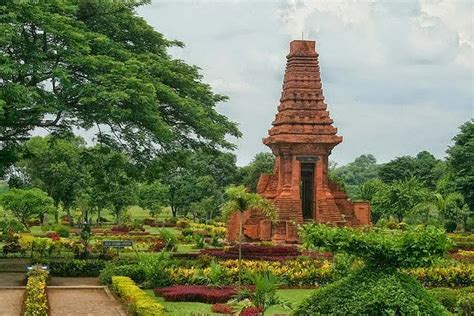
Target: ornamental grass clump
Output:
[(36, 302), (380, 286)]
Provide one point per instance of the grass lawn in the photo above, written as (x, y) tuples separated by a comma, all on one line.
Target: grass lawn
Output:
[(294, 296)]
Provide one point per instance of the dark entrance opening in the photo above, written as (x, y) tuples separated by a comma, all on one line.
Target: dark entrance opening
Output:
[(307, 189)]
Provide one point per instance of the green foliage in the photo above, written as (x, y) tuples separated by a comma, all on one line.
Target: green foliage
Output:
[(399, 199), (85, 63), (460, 158), (133, 271), (265, 293), (415, 247), (152, 196), (372, 292), (27, 204), (239, 200), (154, 266), (460, 301), (447, 297), (249, 175), (52, 164), (75, 268), (424, 167), (63, 231), (195, 180), (362, 169), (111, 179), (169, 238)]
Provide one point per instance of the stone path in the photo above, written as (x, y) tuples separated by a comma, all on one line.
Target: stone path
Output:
[(67, 296), (11, 301), (12, 286), (83, 301)]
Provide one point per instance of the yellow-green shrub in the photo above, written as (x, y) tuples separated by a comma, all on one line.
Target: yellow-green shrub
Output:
[(138, 302), (453, 276), (36, 303)]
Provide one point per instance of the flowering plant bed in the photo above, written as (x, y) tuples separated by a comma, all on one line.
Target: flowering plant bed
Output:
[(36, 302), (196, 293)]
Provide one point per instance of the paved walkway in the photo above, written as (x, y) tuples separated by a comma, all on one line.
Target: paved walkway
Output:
[(11, 301), (83, 301), (12, 286)]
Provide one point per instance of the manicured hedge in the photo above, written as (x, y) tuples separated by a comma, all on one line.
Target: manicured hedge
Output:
[(36, 303), (133, 271), (138, 302), (196, 293), (76, 267)]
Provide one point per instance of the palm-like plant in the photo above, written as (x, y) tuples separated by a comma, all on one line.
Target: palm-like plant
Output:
[(239, 201)]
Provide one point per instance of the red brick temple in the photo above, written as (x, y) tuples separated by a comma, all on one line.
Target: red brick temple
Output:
[(301, 138)]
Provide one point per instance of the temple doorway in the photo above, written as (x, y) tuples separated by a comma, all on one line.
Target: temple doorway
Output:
[(307, 189)]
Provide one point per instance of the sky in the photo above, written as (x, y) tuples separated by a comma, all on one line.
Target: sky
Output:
[(397, 76)]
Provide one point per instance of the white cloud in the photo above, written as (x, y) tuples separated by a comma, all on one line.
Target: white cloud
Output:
[(397, 76)]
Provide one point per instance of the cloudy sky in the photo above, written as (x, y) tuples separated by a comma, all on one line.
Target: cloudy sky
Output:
[(397, 76)]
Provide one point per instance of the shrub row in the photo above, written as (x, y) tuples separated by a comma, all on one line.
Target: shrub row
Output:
[(454, 276), (305, 272), (133, 271), (196, 293), (465, 245), (36, 303), (455, 300), (138, 302), (75, 268)]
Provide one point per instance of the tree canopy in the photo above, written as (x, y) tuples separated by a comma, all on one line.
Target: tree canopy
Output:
[(97, 65)]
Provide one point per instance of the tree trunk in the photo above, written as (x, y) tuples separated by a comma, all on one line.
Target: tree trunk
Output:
[(240, 246), (98, 216), (56, 213)]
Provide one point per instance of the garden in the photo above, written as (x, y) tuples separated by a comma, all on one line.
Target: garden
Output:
[(178, 267), (117, 169)]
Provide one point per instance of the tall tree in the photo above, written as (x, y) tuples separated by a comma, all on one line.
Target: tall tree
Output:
[(424, 166), (399, 198), (461, 162), (26, 204), (112, 179), (261, 163), (53, 164), (97, 64)]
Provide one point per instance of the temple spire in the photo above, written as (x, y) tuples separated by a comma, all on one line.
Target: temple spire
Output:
[(302, 114)]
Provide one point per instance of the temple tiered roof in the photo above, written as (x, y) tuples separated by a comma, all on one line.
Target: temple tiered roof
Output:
[(302, 116)]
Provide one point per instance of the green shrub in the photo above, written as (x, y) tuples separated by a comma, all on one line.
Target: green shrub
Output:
[(450, 226), (36, 302), (415, 247), (447, 297), (62, 230), (169, 238), (133, 271), (372, 292), (154, 266), (75, 268), (466, 304), (379, 288)]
